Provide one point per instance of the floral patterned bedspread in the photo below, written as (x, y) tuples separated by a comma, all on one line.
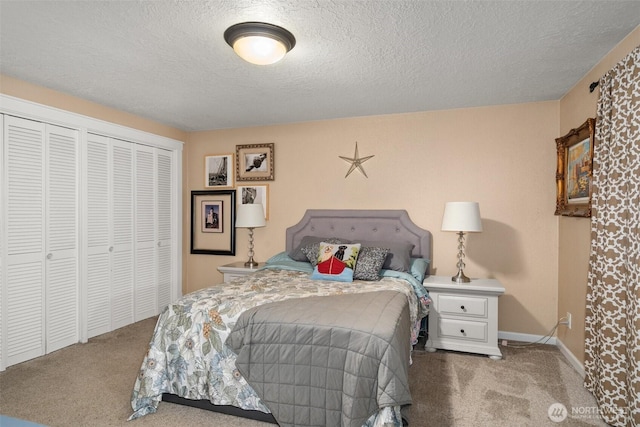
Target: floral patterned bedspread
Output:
[(187, 356)]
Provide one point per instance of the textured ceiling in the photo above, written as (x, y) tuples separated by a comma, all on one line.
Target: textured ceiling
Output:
[(167, 60)]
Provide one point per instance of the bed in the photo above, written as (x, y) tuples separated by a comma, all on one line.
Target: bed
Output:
[(297, 343)]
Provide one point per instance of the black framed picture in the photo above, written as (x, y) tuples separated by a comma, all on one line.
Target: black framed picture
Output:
[(213, 222)]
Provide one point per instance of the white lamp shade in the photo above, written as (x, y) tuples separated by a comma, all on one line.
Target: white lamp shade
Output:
[(250, 216), (462, 216)]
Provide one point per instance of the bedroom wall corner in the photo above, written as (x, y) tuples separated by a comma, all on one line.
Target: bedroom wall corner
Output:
[(574, 234)]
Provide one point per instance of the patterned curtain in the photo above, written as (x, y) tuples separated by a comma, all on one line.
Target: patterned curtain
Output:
[(612, 359)]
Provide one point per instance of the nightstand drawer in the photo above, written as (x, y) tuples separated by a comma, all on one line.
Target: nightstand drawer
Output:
[(462, 329), (463, 305)]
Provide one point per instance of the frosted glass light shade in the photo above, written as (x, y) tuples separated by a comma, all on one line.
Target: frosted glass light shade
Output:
[(250, 216), (258, 42), (259, 50), (462, 216)]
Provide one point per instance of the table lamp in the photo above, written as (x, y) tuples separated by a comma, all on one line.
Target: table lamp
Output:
[(250, 216), (461, 217)]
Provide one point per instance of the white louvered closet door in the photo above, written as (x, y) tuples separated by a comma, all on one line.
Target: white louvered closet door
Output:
[(61, 222), (145, 284), (165, 221), (41, 282), (23, 292), (125, 229), (99, 248), (123, 220), (130, 249), (110, 256), (154, 280)]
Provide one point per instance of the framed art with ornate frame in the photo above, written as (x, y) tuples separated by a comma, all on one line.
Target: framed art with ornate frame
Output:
[(213, 222), (248, 194), (574, 171), (254, 162)]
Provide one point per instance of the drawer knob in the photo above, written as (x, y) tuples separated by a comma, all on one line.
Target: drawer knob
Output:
[(462, 331), (462, 308)]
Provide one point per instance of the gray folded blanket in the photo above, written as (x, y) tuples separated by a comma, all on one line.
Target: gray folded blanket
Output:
[(329, 360)]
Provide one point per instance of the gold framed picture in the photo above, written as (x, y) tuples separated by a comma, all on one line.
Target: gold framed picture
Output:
[(574, 171), (254, 162)]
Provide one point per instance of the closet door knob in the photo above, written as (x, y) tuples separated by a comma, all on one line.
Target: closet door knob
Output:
[(110, 248), (49, 255)]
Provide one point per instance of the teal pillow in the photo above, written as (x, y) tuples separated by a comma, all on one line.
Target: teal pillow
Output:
[(284, 262), (419, 268), (280, 256)]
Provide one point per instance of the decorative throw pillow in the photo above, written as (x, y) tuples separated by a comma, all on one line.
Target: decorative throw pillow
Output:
[(311, 249), (336, 261), (370, 261)]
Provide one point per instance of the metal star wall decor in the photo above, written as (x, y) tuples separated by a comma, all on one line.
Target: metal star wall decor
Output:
[(356, 162)]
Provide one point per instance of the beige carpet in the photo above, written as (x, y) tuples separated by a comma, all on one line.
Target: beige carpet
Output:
[(90, 385)]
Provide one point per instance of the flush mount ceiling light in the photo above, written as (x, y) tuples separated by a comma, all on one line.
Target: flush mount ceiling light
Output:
[(258, 42)]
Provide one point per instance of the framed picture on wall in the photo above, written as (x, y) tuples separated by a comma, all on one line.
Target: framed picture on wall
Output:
[(574, 173), (218, 170), (212, 216), (213, 222), (249, 194), (254, 162)]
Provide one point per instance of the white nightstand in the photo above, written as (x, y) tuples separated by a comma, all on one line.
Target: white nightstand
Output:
[(464, 316), (235, 270)]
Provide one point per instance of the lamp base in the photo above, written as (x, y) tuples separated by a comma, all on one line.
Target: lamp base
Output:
[(460, 278), (251, 263)]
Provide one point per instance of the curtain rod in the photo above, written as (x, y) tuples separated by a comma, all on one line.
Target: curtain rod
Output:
[(593, 86)]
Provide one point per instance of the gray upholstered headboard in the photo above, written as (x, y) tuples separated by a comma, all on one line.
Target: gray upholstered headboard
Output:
[(357, 224)]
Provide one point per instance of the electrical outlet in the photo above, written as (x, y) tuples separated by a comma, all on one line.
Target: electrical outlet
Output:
[(566, 320)]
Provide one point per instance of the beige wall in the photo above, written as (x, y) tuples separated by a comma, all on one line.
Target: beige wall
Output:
[(574, 233), (30, 92), (503, 157)]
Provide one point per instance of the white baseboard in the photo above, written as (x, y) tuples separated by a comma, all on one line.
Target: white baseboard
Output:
[(515, 336), (573, 361)]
